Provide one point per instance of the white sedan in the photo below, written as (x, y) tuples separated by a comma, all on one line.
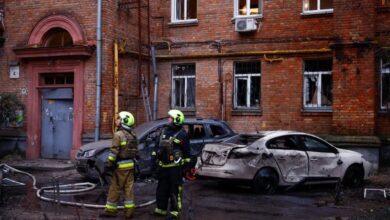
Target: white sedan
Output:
[(281, 158)]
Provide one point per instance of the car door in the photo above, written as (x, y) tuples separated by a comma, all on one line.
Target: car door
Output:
[(324, 159), (146, 146), (290, 157)]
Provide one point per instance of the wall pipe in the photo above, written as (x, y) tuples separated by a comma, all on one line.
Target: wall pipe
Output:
[(116, 85), (98, 67), (231, 54), (155, 83)]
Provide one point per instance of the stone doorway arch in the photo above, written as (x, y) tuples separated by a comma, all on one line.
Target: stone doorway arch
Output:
[(41, 60)]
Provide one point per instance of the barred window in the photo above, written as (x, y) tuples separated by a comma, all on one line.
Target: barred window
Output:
[(183, 86), (247, 83), (318, 84)]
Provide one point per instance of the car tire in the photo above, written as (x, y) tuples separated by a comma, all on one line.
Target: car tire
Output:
[(265, 182), (353, 177)]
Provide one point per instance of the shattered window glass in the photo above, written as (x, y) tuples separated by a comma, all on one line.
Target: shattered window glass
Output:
[(312, 144), (183, 86), (286, 142), (385, 83), (247, 79), (195, 131), (318, 84), (217, 130), (184, 10)]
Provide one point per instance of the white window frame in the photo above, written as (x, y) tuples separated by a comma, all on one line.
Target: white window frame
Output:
[(384, 70), (318, 11), (248, 78), (248, 15), (185, 20), (185, 86), (318, 105)]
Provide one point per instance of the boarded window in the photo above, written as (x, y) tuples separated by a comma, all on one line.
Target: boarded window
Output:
[(318, 84), (247, 82), (183, 86)]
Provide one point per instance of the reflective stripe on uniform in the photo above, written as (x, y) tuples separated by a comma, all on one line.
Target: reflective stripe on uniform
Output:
[(111, 206), (160, 211), (123, 141), (174, 213), (168, 165), (126, 164), (112, 157), (186, 160), (129, 204), (177, 141), (179, 198)]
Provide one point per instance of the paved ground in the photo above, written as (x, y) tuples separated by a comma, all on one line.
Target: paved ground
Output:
[(202, 200)]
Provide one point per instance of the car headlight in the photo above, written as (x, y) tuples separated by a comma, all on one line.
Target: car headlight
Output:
[(89, 153)]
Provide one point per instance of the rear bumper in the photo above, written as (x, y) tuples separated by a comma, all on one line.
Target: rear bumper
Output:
[(232, 170)]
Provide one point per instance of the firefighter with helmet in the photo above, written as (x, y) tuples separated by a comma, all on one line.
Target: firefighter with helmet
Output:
[(121, 159), (173, 154)]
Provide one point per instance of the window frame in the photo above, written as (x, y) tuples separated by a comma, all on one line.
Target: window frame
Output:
[(317, 11), (185, 20), (382, 72), (185, 86), (248, 15), (248, 77), (318, 105)]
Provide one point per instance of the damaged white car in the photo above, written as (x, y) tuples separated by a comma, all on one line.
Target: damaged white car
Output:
[(281, 158)]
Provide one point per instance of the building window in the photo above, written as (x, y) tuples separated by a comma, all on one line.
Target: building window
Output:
[(184, 10), (248, 8), (385, 2), (49, 79), (385, 83), (317, 6), (183, 86), (57, 37), (318, 84), (247, 82)]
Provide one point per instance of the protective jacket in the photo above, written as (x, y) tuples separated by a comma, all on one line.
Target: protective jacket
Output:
[(122, 154), (173, 153)]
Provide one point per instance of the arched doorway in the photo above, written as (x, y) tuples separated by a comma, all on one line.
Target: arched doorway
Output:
[(55, 57)]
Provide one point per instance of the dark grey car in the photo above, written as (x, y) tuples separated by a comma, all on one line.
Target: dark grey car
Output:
[(91, 156)]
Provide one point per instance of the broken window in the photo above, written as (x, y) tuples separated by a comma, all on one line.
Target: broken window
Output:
[(217, 131), (247, 82), (385, 2), (318, 84), (316, 145), (317, 6), (57, 37), (248, 7), (183, 86), (385, 83), (286, 143), (184, 10)]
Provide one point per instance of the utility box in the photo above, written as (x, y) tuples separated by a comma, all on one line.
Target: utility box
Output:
[(245, 25)]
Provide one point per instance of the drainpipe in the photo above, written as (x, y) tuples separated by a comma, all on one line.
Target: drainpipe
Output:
[(155, 83), (116, 85), (98, 67)]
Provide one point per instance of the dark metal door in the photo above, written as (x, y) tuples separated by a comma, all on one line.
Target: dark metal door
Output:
[(57, 123)]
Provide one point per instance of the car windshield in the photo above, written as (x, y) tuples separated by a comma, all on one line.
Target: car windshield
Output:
[(145, 128)]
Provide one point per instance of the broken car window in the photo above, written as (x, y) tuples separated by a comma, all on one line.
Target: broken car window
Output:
[(312, 144), (286, 142), (217, 131)]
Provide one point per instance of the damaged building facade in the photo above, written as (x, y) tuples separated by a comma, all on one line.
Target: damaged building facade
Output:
[(317, 66)]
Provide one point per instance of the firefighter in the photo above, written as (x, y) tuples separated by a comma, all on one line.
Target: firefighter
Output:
[(121, 160), (173, 154)]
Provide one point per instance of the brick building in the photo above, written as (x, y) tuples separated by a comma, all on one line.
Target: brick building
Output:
[(319, 66)]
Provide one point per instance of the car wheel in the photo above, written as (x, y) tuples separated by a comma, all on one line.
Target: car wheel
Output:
[(265, 182), (353, 177)]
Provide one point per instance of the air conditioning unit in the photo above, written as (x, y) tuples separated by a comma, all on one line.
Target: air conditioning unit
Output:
[(246, 25)]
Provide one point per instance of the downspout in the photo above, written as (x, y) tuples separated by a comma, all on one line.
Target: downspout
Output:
[(155, 83), (116, 85), (98, 68)]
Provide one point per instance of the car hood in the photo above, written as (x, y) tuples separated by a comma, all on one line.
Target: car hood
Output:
[(98, 145)]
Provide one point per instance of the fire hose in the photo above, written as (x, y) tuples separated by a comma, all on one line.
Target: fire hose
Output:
[(66, 189)]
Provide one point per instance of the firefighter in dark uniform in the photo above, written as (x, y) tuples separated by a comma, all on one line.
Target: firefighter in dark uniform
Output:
[(121, 159), (173, 154)]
